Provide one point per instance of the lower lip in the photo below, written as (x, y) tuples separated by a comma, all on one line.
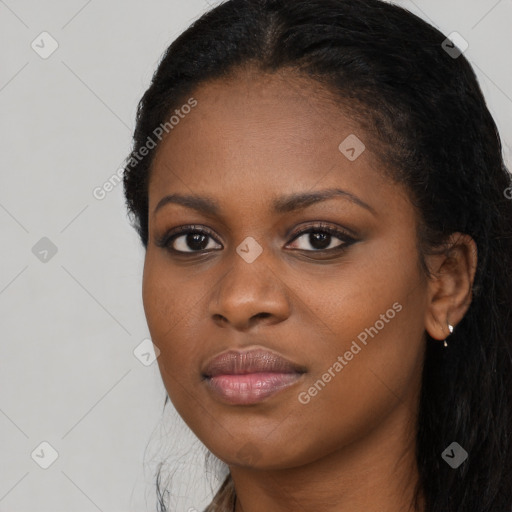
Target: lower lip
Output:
[(251, 387)]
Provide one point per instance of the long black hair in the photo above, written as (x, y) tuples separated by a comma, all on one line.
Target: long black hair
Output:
[(424, 110)]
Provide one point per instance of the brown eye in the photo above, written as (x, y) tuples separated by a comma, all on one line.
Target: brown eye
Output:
[(323, 238), (188, 239)]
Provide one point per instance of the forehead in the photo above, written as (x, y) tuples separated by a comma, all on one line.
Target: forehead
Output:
[(256, 135)]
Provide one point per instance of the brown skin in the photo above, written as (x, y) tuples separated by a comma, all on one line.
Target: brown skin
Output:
[(249, 141)]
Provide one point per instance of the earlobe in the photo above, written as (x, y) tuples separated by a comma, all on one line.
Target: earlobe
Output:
[(450, 285)]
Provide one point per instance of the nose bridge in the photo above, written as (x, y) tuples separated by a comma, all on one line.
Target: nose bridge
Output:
[(250, 288)]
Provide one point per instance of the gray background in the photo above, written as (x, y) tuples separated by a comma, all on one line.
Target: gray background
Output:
[(70, 321)]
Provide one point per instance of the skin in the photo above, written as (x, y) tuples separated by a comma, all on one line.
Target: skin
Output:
[(250, 140)]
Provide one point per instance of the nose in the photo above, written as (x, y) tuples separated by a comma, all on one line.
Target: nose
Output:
[(249, 294)]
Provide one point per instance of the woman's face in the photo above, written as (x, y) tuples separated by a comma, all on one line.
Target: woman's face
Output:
[(346, 309)]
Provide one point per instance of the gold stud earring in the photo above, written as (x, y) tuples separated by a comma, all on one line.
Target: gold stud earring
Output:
[(450, 328)]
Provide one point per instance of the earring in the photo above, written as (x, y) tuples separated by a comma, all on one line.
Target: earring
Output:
[(450, 328)]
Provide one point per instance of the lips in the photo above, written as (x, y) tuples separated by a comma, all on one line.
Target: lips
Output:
[(253, 361), (251, 376)]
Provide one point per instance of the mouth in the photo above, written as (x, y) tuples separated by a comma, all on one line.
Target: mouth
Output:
[(249, 377)]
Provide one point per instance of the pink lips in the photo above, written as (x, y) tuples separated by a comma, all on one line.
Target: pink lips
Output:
[(251, 376)]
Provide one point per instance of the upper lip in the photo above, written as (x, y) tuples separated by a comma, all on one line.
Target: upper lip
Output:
[(235, 362)]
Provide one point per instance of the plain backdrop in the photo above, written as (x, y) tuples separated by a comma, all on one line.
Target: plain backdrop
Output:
[(76, 391)]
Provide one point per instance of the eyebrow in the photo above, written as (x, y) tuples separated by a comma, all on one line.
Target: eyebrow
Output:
[(281, 205)]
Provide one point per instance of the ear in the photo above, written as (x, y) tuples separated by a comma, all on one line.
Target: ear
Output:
[(450, 286)]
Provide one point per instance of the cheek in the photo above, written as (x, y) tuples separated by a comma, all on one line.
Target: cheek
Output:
[(171, 306), (371, 316), (374, 384), (359, 294)]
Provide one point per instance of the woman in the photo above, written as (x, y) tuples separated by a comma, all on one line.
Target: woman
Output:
[(320, 190)]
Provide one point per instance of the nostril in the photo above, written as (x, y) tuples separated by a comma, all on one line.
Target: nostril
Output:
[(262, 315)]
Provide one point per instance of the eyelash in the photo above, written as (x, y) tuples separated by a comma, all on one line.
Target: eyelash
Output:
[(169, 237)]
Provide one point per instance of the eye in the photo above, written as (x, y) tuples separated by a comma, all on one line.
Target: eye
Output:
[(193, 239), (187, 239), (320, 237)]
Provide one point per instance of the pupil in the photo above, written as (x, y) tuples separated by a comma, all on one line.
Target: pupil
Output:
[(319, 238), (194, 241)]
